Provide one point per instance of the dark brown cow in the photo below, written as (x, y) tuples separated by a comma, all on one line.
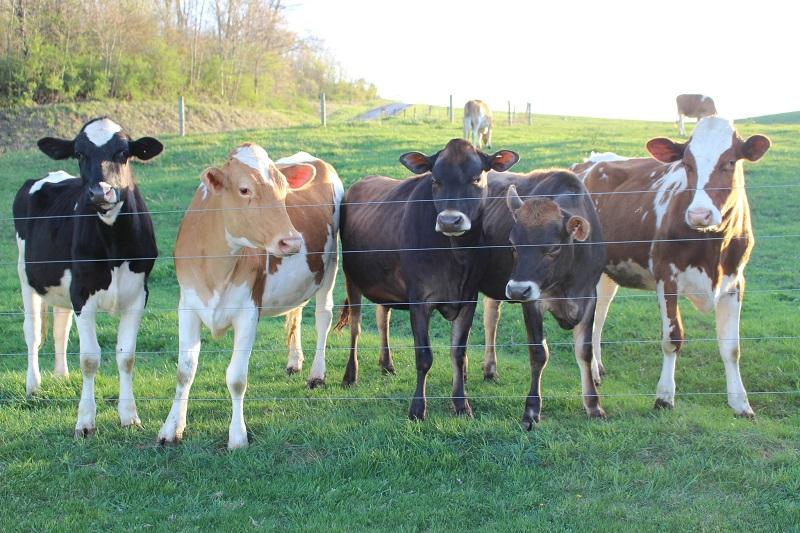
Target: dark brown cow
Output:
[(416, 244), (693, 106), (679, 224)]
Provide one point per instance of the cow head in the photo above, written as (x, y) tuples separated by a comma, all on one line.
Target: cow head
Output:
[(252, 195), (458, 182), (542, 236), (104, 153), (712, 161)]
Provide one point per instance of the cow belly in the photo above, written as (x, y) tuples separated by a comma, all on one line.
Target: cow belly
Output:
[(291, 285), (222, 307), (631, 274), (696, 286)]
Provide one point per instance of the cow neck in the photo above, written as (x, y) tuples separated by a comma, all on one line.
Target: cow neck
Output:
[(735, 219)]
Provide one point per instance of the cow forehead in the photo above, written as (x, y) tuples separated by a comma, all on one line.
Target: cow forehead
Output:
[(710, 139), (100, 131), (537, 212), (254, 157)]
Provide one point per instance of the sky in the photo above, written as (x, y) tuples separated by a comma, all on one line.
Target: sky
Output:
[(618, 59)]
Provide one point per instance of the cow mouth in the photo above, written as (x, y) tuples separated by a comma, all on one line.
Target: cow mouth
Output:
[(453, 233)]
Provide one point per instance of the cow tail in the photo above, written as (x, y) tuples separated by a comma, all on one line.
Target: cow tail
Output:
[(344, 317)]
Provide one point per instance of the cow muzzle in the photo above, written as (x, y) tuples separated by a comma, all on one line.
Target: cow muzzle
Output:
[(286, 245), (103, 194), (702, 218), (522, 291), (452, 223)]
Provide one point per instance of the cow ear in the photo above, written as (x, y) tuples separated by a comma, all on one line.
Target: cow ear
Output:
[(214, 179), (299, 175), (145, 148), (500, 161), (56, 148), (755, 147), (665, 150), (416, 162), (578, 227), (513, 201)]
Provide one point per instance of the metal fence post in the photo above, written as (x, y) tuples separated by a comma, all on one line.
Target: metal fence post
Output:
[(323, 112), (181, 117)]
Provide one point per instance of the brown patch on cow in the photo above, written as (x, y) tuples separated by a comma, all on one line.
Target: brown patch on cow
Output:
[(128, 363), (538, 212)]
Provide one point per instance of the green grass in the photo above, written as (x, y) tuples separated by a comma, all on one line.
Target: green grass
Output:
[(349, 459), (792, 117)]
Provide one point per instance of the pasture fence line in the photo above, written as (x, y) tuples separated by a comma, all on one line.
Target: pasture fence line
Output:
[(648, 294), (486, 397), (383, 202), (388, 250), (504, 346)]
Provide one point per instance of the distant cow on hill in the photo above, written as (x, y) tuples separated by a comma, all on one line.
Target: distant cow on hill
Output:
[(693, 106), (478, 123), (86, 244)]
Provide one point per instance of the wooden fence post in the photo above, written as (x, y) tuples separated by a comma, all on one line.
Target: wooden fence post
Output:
[(510, 121), (450, 110), (323, 111), (181, 117), (529, 111)]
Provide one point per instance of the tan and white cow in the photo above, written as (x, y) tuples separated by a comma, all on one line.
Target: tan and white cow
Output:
[(478, 123), (259, 239), (679, 224), (693, 106)]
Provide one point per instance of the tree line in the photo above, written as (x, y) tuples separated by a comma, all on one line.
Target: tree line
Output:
[(231, 51)]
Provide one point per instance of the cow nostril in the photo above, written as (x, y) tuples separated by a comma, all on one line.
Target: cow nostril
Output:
[(527, 292)]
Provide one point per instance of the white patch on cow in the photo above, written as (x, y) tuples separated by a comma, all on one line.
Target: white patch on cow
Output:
[(204, 189), (696, 286), (296, 159), (665, 390), (237, 243), (711, 137), (521, 286), (291, 285), (101, 131), (53, 177), (218, 313), (126, 286), (256, 158), (631, 270), (110, 216), (673, 181)]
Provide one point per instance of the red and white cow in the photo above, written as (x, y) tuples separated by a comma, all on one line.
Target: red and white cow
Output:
[(693, 106), (680, 224), (259, 239)]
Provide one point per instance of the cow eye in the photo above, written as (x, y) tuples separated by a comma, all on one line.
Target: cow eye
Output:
[(477, 180), (244, 191), (80, 156), (122, 155)]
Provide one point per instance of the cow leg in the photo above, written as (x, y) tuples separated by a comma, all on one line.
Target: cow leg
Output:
[(383, 316), (727, 313), (244, 334), (188, 354), (62, 322), (126, 356), (294, 340), (466, 130), (459, 336), (324, 317), (354, 312), (606, 290), (671, 340), (491, 317), (582, 337), (539, 354), (420, 322), (32, 327), (681, 128), (90, 362)]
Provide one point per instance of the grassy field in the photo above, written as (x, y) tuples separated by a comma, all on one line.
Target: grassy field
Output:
[(349, 459)]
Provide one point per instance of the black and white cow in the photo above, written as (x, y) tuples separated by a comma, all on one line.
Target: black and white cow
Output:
[(87, 244)]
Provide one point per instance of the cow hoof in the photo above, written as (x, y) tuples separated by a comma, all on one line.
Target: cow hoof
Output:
[(663, 404), (347, 383), (165, 441), (748, 413), (85, 432), (418, 411), (597, 412), (313, 383), (292, 370), (387, 370), (463, 410), (529, 421), (133, 424), (237, 444), (490, 376)]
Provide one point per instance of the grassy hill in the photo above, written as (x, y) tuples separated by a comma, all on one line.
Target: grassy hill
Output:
[(349, 459), (792, 117)]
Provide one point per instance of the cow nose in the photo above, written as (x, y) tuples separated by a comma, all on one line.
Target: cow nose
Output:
[(290, 245), (522, 291), (102, 193), (700, 217), (452, 220)]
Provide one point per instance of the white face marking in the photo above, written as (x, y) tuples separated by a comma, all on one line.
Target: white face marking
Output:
[(299, 157), (53, 177), (673, 181), (711, 137), (101, 131), (256, 158), (110, 216)]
